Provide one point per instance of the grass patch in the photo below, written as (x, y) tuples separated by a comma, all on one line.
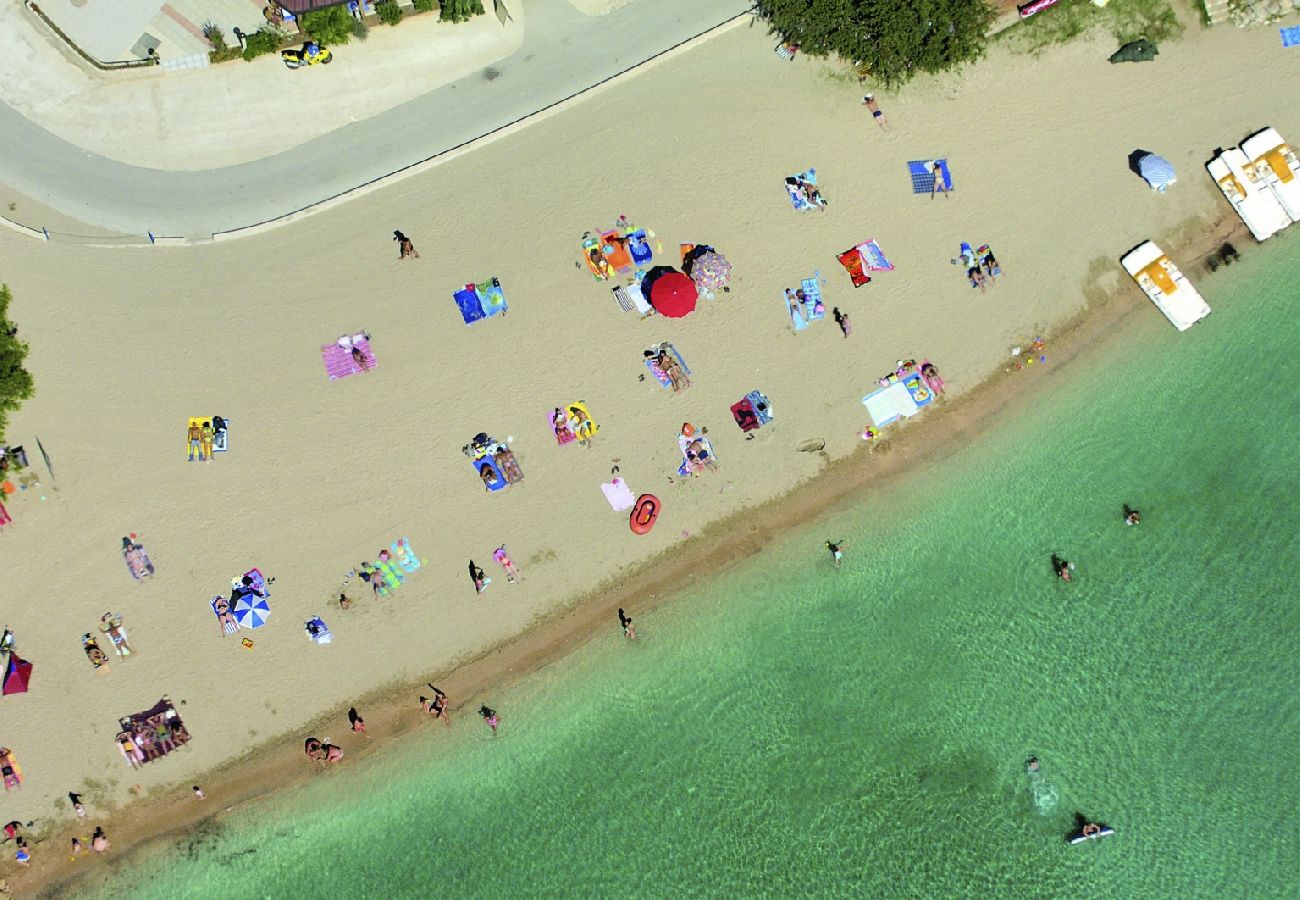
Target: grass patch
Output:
[(1126, 20)]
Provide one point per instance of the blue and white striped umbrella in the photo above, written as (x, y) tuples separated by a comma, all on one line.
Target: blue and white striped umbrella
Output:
[(251, 611), (1157, 171)]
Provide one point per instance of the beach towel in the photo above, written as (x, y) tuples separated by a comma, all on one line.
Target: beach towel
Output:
[(797, 198), (137, 562), (684, 443), (500, 482), (317, 631), (560, 426), (1290, 36), (873, 257), (228, 626), (890, 404), (985, 252), (659, 374), (618, 494), (745, 416), (630, 298), (491, 297), (338, 358), (920, 391), (638, 246), (923, 175), (471, 309), (404, 556), (762, 406), (854, 264)]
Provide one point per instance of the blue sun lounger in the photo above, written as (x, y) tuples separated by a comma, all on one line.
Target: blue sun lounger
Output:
[(922, 174)]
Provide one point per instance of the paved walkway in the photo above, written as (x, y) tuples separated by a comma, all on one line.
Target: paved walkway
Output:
[(563, 52)]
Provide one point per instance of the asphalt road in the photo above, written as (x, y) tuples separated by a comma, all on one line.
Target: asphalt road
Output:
[(563, 53)]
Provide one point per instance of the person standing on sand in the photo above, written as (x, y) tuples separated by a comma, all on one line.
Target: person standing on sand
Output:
[(196, 441), (869, 101), (437, 707), (626, 621), (490, 717), (842, 320), (837, 550), (354, 719), (404, 246), (99, 840), (939, 186)]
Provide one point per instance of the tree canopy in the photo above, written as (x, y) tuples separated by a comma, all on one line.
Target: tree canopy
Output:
[(15, 382), (891, 39)]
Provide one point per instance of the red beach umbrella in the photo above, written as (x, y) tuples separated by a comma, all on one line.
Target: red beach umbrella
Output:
[(671, 293), (17, 674)]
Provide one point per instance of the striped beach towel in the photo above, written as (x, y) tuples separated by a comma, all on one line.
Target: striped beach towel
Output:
[(339, 362)]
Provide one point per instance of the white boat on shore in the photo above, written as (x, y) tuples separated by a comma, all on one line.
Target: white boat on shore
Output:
[(1167, 287), (1248, 193), (1276, 163)]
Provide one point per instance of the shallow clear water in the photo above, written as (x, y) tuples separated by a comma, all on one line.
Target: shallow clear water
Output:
[(796, 729)]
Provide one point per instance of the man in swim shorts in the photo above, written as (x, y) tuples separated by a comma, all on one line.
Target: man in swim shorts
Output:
[(869, 101)]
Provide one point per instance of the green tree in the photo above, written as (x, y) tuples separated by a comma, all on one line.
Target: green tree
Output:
[(422, 6), (389, 12), (460, 10), (329, 26), (16, 383), (891, 39)]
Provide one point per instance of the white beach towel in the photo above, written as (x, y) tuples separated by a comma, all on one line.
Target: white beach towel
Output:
[(618, 494), (890, 403)]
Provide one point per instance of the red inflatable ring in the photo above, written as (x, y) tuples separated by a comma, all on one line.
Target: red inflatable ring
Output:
[(644, 514)]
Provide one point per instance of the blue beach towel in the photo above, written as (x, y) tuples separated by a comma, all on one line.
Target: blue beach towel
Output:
[(471, 308), (921, 395), (812, 291), (923, 175), (500, 484), (762, 406), (873, 257), (1290, 36), (491, 297)]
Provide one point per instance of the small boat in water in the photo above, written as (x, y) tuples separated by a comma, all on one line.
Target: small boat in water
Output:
[(1276, 163), (1166, 285), (1248, 193)]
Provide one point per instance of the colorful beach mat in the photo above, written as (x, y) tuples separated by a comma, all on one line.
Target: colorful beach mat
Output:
[(339, 362), (810, 309), (478, 301), (659, 374), (922, 172)]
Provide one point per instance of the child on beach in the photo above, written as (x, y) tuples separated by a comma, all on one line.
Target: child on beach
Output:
[(76, 804), (490, 717), (358, 724), (404, 246)]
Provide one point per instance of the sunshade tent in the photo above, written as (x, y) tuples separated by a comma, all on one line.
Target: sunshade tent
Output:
[(1157, 171), (251, 611), (1140, 50), (670, 292), (18, 674)]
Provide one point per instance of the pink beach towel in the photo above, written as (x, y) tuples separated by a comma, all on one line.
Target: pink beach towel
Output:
[(560, 426), (339, 362)]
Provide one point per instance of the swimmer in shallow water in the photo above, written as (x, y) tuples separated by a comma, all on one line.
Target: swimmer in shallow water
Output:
[(1031, 764), (490, 717), (837, 550), (1061, 567), (1131, 516)]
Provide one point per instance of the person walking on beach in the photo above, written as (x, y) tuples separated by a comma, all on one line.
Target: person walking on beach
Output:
[(869, 101), (503, 559), (354, 719), (626, 621), (476, 575), (490, 717), (837, 550), (842, 320), (404, 246)]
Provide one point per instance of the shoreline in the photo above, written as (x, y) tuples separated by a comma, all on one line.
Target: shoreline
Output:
[(722, 544)]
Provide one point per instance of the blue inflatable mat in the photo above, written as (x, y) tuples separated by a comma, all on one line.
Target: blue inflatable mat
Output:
[(923, 175), (921, 395)]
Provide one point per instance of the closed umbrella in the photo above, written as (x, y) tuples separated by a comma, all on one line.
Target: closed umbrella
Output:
[(1157, 171), (711, 271), (251, 611), (670, 292), (18, 674)]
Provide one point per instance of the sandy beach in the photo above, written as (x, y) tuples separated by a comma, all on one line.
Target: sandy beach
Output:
[(127, 343)]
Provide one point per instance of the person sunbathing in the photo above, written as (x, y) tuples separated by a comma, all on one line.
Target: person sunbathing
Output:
[(976, 277), (670, 367), (228, 623), (505, 458), (990, 264), (810, 192), (489, 476), (584, 430)]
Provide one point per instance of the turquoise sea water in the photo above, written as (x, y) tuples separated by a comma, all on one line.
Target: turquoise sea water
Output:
[(791, 729)]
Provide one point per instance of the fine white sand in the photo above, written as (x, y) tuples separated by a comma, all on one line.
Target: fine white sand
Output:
[(127, 343)]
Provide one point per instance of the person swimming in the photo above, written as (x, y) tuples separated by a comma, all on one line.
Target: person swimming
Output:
[(1061, 567), (1131, 515), (1031, 764), (490, 717)]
